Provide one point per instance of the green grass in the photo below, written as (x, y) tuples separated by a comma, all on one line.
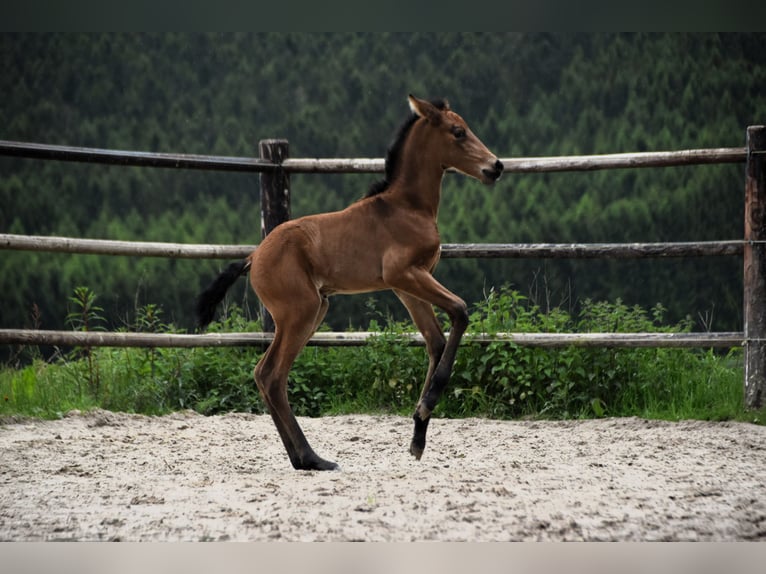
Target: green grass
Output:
[(500, 380)]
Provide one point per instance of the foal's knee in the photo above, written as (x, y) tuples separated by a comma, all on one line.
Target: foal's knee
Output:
[(459, 315)]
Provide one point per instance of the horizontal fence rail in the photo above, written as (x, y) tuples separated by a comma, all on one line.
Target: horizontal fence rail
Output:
[(363, 165), (359, 338), (449, 250)]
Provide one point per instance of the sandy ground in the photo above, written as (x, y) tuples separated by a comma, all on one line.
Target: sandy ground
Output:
[(184, 477)]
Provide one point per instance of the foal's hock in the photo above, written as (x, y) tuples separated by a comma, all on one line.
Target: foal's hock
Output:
[(388, 240)]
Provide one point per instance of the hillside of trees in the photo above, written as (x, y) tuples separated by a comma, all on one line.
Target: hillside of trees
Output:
[(344, 95)]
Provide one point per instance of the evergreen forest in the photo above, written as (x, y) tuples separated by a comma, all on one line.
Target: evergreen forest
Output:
[(344, 95)]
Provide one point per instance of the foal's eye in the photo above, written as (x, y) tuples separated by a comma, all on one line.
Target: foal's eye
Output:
[(458, 132)]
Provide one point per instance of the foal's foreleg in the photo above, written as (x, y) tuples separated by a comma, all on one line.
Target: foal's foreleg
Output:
[(425, 320), (420, 291)]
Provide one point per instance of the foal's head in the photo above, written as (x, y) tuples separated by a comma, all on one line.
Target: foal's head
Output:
[(453, 144)]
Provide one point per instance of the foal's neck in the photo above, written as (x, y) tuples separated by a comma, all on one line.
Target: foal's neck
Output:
[(419, 178)]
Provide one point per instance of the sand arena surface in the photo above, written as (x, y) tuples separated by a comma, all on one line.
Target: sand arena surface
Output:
[(185, 477)]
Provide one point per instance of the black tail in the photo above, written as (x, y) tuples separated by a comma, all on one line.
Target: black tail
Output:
[(208, 300)]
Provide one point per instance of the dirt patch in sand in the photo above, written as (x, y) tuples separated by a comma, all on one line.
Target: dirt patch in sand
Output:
[(185, 477)]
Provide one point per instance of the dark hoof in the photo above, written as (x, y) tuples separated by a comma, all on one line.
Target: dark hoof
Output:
[(418, 444), (316, 463)]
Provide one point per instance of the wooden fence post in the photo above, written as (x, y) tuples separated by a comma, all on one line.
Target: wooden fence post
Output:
[(275, 198), (755, 268)]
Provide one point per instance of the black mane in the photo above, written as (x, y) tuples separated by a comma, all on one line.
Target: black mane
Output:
[(393, 155)]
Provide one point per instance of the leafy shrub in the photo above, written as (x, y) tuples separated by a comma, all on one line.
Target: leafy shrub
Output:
[(506, 380)]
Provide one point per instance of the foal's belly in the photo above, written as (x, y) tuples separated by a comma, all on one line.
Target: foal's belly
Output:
[(349, 283)]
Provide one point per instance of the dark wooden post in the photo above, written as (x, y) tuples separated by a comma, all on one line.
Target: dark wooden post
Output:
[(275, 198), (755, 268)]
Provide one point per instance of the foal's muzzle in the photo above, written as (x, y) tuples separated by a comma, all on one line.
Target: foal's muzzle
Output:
[(493, 174)]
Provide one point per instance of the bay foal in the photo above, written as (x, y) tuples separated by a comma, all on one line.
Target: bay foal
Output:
[(388, 240)]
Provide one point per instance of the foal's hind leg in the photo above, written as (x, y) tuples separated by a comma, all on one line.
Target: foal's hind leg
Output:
[(294, 328)]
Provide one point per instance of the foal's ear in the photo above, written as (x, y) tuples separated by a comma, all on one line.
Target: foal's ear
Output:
[(424, 109)]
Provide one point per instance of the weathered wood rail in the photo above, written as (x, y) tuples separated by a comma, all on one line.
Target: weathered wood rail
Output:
[(359, 338), (449, 250), (275, 166)]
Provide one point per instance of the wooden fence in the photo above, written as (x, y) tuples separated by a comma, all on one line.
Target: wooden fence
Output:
[(275, 168)]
